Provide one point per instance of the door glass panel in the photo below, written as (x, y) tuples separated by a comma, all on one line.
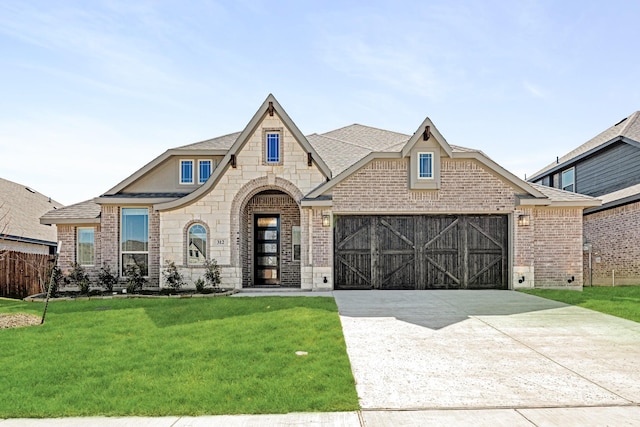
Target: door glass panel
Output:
[(268, 274), (268, 234), (268, 260), (267, 222), (267, 248)]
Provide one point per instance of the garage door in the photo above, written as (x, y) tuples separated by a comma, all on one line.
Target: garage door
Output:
[(421, 252)]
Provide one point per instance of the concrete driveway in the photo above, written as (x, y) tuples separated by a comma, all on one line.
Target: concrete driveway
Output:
[(425, 350)]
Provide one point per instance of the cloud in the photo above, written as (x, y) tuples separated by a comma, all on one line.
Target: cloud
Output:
[(534, 90)]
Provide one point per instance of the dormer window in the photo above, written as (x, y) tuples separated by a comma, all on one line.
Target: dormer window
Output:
[(186, 171), (272, 147), (425, 165)]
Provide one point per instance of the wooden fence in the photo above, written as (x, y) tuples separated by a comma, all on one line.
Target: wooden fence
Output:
[(22, 274)]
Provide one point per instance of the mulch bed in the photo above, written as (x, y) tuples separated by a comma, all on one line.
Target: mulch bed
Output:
[(18, 320)]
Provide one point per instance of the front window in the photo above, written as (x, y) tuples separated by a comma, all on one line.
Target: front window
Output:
[(205, 170), (86, 246), (135, 238), (425, 165), (197, 244), (295, 242), (186, 171), (273, 148), (569, 180)]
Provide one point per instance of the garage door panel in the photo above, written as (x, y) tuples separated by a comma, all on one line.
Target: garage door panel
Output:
[(421, 252)]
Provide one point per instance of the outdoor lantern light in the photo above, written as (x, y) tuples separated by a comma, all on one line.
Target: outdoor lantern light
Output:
[(326, 220), (524, 219)]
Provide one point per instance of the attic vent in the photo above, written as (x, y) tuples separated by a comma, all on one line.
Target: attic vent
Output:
[(30, 190), (621, 121)]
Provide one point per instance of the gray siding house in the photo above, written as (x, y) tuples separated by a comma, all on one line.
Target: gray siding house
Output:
[(607, 167), (354, 208)]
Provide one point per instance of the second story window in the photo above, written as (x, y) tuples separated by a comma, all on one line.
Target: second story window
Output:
[(186, 171), (272, 148), (569, 180), (204, 171), (425, 165)]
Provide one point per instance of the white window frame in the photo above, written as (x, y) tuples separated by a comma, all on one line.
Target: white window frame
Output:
[(573, 182), (200, 162), (93, 243), (418, 170), (123, 252), (180, 176)]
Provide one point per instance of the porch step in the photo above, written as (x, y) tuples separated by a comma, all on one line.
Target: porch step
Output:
[(272, 290)]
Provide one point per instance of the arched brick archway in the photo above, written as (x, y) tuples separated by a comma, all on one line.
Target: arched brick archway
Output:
[(273, 195)]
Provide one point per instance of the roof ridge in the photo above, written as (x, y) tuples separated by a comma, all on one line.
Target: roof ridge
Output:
[(630, 120)]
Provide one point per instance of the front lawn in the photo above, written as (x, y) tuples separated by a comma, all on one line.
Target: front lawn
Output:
[(155, 357), (621, 301)]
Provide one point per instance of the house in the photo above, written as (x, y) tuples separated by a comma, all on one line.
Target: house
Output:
[(608, 167), (25, 243), (354, 208)]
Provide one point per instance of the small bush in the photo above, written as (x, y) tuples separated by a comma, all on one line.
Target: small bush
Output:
[(106, 278), (172, 276), (78, 277), (135, 279), (212, 273), (55, 279), (200, 285)]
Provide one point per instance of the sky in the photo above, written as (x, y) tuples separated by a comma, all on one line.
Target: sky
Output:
[(92, 91)]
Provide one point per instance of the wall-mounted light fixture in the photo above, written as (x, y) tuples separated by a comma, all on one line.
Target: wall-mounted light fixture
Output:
[(326, 220), (521, 279), (571, 279), (524, 219)]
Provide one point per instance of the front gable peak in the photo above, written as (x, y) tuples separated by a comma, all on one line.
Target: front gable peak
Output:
[(427, 132)]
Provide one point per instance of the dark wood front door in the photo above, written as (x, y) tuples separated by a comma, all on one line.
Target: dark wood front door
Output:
[(266, 263), (421, 252)]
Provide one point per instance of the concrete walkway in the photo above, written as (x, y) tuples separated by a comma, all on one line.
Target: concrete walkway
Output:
[(463, 358)]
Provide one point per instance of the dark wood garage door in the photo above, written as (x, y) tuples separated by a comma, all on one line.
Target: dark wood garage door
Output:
[(421, 252)]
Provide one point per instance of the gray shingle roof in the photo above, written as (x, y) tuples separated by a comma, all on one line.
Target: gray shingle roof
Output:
[(628, 127), (87, 210), (634, 190), (557, 195), (338, 155), (20, 211), (371, 138), (220, 143)]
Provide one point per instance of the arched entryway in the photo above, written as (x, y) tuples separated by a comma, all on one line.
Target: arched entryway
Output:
[(270, 245)]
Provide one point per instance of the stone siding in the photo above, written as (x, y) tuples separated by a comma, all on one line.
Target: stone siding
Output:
[(614, 235)]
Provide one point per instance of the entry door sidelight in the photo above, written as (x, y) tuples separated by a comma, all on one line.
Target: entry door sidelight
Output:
[(267, 249)]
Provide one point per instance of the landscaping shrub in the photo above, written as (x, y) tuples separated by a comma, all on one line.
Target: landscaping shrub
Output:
[(212, 273), (106, 278), (78, 277), (135, 279), (200, 285), (172, 276)]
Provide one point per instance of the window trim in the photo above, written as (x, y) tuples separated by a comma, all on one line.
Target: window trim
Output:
[(573, 183), (93, 246), (419, 171), (180, 175), (122, 251), (200, 162)]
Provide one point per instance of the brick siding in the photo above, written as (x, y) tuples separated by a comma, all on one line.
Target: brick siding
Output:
[(614, 235)]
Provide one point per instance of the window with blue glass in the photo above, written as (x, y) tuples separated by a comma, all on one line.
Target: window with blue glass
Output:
[(425, 165), (186, 171), (273, 148), (204, 172)]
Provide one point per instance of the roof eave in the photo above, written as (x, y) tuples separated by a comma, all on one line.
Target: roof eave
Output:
[(68, 221), (133, 201), (613, 204)]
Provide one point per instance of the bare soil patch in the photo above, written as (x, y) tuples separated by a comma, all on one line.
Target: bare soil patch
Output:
[(18, 320)]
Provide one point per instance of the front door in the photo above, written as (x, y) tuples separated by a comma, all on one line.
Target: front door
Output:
[(266, 264)]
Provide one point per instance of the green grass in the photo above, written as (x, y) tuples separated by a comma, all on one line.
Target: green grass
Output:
[(621, 301), (153, 357)]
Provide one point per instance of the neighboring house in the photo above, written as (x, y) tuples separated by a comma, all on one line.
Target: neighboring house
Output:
[(606, 167), (26, 245), (354, 208)]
